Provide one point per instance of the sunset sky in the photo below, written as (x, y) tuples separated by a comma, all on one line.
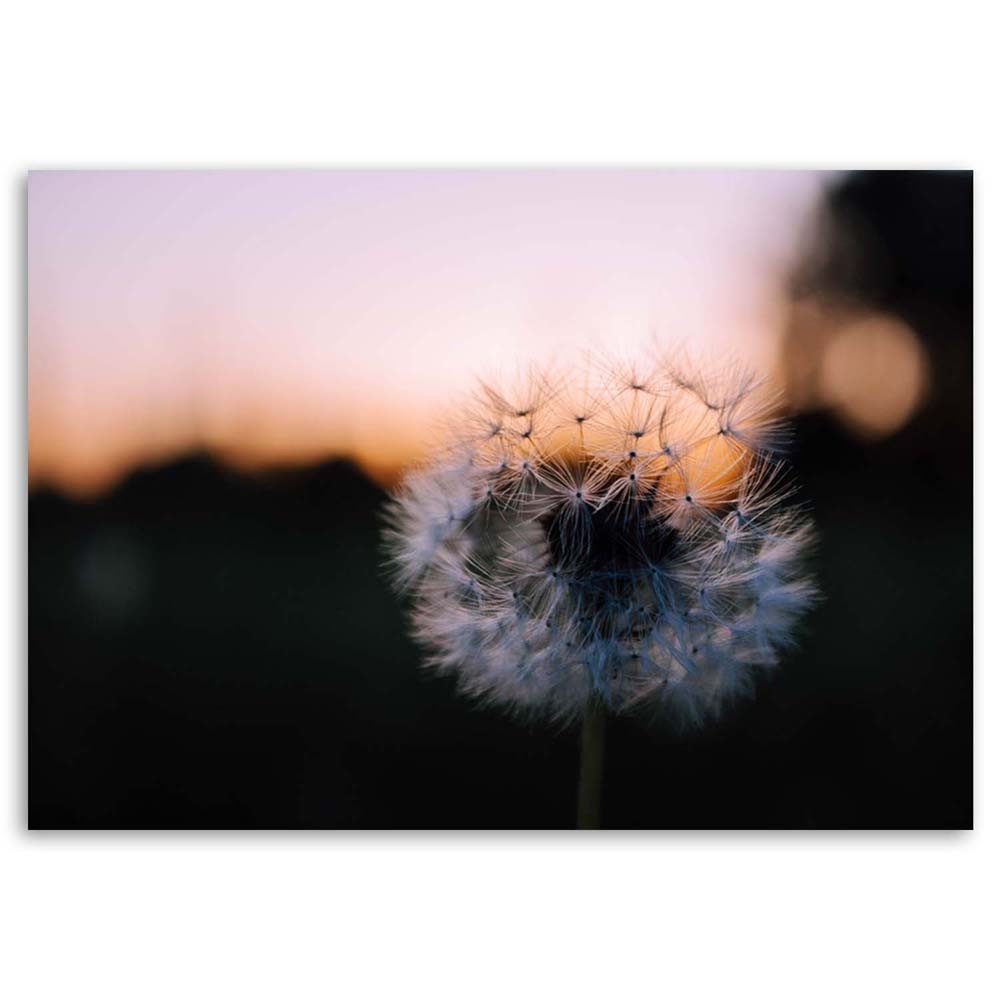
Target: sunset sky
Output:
[(275, 317)]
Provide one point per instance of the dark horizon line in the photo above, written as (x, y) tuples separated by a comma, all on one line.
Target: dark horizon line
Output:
[(261, 473)]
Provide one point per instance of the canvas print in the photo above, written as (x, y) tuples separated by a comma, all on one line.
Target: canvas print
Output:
[(535, 499)]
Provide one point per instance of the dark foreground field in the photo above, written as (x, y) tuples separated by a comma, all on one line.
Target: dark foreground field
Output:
[(213, 651)]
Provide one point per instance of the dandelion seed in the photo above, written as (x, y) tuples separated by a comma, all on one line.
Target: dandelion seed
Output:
[(630, 545)]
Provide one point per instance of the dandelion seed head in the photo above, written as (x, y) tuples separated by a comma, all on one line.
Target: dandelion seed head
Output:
[(627, 536)]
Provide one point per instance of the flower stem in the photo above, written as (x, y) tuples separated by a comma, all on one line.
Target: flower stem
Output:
[(588, 807)]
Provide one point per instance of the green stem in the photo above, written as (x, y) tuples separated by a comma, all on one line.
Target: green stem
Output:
[(588, 808)]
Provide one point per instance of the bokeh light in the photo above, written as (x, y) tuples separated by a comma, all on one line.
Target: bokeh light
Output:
[(869, 369), (874, 374)]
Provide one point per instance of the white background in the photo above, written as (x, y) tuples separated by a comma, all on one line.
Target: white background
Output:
[(237, 84)]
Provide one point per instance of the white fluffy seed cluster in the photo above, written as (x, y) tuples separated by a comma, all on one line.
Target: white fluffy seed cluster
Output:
[(615, 532)]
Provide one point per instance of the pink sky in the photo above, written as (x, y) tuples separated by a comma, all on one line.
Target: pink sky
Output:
[(277, 316)]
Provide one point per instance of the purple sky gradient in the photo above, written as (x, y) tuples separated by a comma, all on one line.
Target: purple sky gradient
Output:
[(283, 316)]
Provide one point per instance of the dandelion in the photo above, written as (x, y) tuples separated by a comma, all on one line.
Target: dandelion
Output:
[(578, 548)]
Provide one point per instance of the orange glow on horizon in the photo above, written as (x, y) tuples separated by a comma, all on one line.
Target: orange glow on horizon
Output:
[(280, 318)]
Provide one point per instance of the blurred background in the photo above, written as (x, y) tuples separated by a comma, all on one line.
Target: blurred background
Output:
[(227, 370)]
